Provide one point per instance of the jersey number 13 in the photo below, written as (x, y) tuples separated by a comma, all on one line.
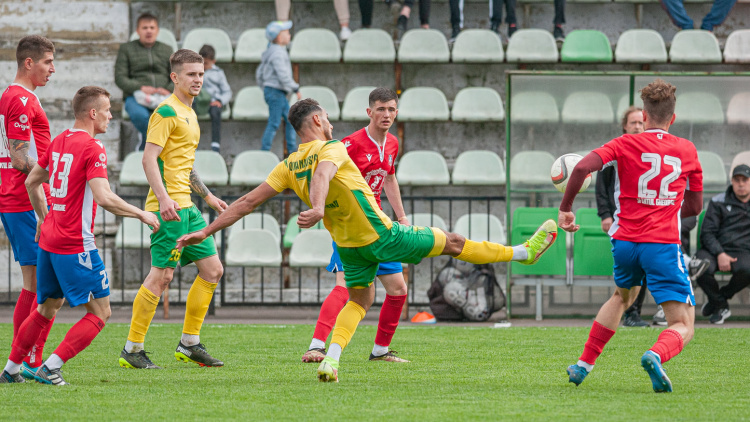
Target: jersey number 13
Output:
[(62, 190)]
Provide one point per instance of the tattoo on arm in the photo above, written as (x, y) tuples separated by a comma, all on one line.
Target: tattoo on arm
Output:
[(19, 152), (197, 185)]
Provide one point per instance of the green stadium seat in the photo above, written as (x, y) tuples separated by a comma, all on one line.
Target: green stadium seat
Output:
[(737, 47), (250, 46), (251, 168), (591, 246), (315, 45), (423, 46), (132, 173), (426, 219), (714, 171), (586, 46), (698, 108), (258, 220), (211, 168), (215, 37), (640, 46), (532, 46), (478, 168), (165, 36), (423, 104), (481, 227), (369, 46), (311, 248), (624, 103), (356, 103), (325, 96), (226, 113), (533, 107), (249, 104), (292, 230), (587, 107), (737, 110), (741, 158), (253, 248), (133, 234), (522, 178), (422, 168), (477, 46), (478, 104), (695, 46)]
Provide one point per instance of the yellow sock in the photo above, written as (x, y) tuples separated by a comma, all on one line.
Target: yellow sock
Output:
[(346, 323), (198, 299), (485, 252), (144, 308)]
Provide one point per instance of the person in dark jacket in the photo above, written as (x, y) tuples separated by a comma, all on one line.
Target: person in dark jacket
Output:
[(725, 244)]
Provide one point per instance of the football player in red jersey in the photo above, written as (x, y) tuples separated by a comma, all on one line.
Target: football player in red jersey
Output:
[(659, 180), (374, 150)]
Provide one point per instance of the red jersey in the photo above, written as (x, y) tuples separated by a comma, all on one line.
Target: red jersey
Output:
[(652, 171), (22, 118), (73, 158), (372, 160)]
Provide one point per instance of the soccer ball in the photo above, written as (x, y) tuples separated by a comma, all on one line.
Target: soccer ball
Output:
[(562, 169)]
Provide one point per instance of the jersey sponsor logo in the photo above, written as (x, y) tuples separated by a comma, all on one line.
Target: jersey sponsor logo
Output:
[(98, 164), (102, 157), (369, 157), (20, 125), (58, 207), (301, 164), (84, 258), (23, 118), (24, 100), (334, 204)]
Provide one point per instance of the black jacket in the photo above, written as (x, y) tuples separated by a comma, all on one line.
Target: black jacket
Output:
[(726, 226)]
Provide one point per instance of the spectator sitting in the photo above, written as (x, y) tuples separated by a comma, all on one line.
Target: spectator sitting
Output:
[(424, 15), (216, 85), (719, 11), (342, 12), (496, 16), (143, 65), (725, 240)]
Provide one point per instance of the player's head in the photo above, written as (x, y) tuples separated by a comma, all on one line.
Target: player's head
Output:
[(187, 71), (209, 55), (308, 115), (147, 27), (741, 182), (91, 105), (383, 108), (632, 120), (658, 103), (34, 56)]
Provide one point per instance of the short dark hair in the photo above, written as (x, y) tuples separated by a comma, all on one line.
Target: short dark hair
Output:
[(207, 52), (383, 95), (34, 47), (624, 121), (659, 101), (300, 110), (87, 98), (182, 56), (146, 16)]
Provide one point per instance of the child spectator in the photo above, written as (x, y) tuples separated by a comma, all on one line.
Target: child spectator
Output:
[(216, 85)]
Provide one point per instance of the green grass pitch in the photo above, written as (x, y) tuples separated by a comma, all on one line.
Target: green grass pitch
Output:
[(456, 373)]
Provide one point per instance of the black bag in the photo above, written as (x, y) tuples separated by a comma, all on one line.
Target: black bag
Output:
[(462, 292)]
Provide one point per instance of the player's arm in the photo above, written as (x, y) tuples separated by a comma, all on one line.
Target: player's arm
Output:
[(692, 204), (167, 206), (197, 185), (34, 181), (393, 192), (318, 193), (19, 156), (107, 199), (566, 219)]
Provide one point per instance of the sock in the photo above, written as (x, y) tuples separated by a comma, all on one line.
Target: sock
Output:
[(520, 253), (79, 337), (668, 345), (12, 367), (328, 313), (334, 352), (196, 305), (485, 252), (35, 356), (589, 367), (346, 324), (390, 313), (379, 350), (190, 339), (28, 333), (317, 344), (131, 347), (598, 338), (144, 308), (25, 304), (54, 362)]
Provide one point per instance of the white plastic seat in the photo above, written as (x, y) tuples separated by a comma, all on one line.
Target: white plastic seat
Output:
[(698, 107), (640, 46), (315, 45), (311, 248), (742, 157), (695, 46), (423, 46), (738, 110), (253, 248), (422, 168), (211, 168), (530, 169), (426, 219), (226, 113), (534, 107), (478, 168), (477, 46), (249, 104), (737, 47), (587, 107), (250, 46), (165, 36), (714, 172), (325, 96), (423, 104), (258, 220), (133, 234), (532, 46), (478, 104), (356, 103), (369, 46), (251, 168), (132, 173), (215, 37), (481, 227), (624, 103)]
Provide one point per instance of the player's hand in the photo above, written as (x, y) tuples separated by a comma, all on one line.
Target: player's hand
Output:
[(606, 224), (193, 238), (309, 218), (404, 221), (148, 90), (725, 262), (215, 103), (38, 230), (168, 210), (149, 219), (567, 221), (217, 204)]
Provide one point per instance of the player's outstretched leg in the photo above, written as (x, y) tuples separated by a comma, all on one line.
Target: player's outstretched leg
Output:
[(540, 241), (651, 362), (526, 253), (328, 371)]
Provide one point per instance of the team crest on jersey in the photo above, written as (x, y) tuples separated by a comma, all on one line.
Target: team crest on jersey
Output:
[(23, 118), (369, 157), (24, 100)]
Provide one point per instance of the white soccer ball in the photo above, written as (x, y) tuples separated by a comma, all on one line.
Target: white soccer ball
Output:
[(454, 293), (562, 168)]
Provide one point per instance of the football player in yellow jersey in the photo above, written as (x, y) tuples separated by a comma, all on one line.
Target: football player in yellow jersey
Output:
[(173, 135), (327, 180)]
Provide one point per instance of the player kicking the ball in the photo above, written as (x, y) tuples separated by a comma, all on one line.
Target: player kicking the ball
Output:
[(323, 175), (660, 180), (69, 265), (373, 150)]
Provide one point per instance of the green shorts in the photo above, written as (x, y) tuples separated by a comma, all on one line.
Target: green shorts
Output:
[(163, 251), (399, 244)]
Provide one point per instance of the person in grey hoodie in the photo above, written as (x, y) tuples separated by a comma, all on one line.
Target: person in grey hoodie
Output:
[(274, 75), (216, 85)]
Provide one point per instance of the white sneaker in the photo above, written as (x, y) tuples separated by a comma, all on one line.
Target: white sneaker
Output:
[(659, 318), (345, 33)]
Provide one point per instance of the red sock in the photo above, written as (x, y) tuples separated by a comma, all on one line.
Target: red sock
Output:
[(25, 304), (598, 338), (668, 345), (28, 334), (79, 336), (36, 355), (390, 313), (329, 311)]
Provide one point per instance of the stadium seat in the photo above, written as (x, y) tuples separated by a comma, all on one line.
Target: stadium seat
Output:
[(251, 168), (481, 227), (165, 36), (698, 108), (132, 173), (478, 168), (427, 220), (250, 46), (737, 110), (226, 113), (292, 230), (521, 177), (215, 37), (533, 107), (211, 168), (258, 220), (356, 103), (253, 248), (532, 46), (477, 46), (624, 103), (422, 168), (478, 104), (249, 104), (591, 246), (311, 248), (587, 107), (640, 46), (714, 171), (325, 96), (423, 46), (105, 222), (695, 46), (737, 47), (741, 158), (369, 46), (586, 46), (315, 45), (423, 104), (133, 234)]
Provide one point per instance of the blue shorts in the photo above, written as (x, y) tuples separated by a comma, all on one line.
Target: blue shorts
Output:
[(77, 277), (21, 230), (661, 264), (383, 268)]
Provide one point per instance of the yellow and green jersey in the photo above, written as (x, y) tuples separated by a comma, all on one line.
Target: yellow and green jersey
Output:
[(174, 127), (352, 215)]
